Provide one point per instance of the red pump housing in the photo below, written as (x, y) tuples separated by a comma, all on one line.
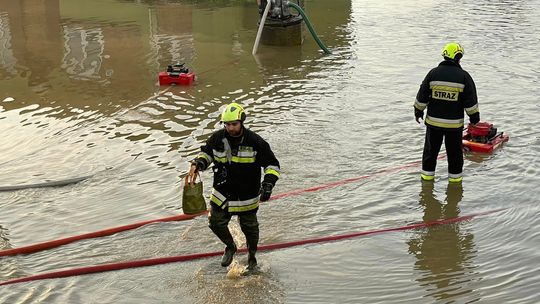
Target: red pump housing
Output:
[(176, 74), (482, 137), (180, 79)]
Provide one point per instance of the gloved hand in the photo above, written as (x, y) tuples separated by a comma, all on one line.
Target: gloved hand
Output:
[(196, 166), (191, 177), (475, 118), (199, 164), (418, 115), (266, 191)]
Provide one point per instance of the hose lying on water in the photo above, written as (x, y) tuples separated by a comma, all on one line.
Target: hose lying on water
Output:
[(182, 217), (64, 182), (183, 258), (59, 242)]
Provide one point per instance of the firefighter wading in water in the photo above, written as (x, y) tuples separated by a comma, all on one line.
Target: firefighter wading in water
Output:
[(238, 155), (446, 91)]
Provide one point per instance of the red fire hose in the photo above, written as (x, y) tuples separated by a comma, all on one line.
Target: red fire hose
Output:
[(183, 217), (183, 258), (100, 233)]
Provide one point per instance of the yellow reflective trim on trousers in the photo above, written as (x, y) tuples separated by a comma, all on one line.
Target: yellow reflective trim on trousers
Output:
[(427, 177), (455, 179), (272, 171), (443, 124), (244, 208)]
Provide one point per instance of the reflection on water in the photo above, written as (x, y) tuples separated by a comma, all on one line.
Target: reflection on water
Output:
[(83, 54), (443, 253), (72, 57), (4, 240), (7, 60), (84, 75)]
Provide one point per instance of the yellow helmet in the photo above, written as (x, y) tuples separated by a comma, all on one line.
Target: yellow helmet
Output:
[(453, 51), (233, 112)]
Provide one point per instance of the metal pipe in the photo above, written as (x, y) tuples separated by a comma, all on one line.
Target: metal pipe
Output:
[(261, 25)]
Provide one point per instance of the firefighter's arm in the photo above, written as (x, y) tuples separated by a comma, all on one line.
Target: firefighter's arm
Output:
[(422, 99), (272, 173), (470, 100), (200, 163)]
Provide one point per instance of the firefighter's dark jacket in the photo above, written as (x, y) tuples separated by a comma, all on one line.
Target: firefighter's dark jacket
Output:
[(447, 91), (237, 168)]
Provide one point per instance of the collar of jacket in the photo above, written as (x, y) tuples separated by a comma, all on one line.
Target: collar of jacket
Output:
[(450, 62)]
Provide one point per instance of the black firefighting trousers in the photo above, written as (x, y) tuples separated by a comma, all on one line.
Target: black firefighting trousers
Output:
[(218, 222), (453, 144)]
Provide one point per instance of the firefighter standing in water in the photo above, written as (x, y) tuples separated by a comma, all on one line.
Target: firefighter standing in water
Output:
[(238, 155), (446, 91)]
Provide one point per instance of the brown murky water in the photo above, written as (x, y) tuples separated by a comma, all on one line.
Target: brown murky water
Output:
[(79, 96)]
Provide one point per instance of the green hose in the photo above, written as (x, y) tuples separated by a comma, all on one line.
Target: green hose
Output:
[(311, 30)]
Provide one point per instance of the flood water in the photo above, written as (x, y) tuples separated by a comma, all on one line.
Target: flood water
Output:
[(79, 97)]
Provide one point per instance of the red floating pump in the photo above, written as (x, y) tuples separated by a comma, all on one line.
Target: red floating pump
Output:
[(176, 74), (482, 137)]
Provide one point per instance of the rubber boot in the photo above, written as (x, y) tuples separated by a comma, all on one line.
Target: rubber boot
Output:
[(228, 255), (252, 261), (250, 228), (252, 239), (225, 236)]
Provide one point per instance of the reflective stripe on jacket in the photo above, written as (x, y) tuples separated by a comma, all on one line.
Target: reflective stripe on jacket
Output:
[(234, 206), (238, 163), (447, 91)]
